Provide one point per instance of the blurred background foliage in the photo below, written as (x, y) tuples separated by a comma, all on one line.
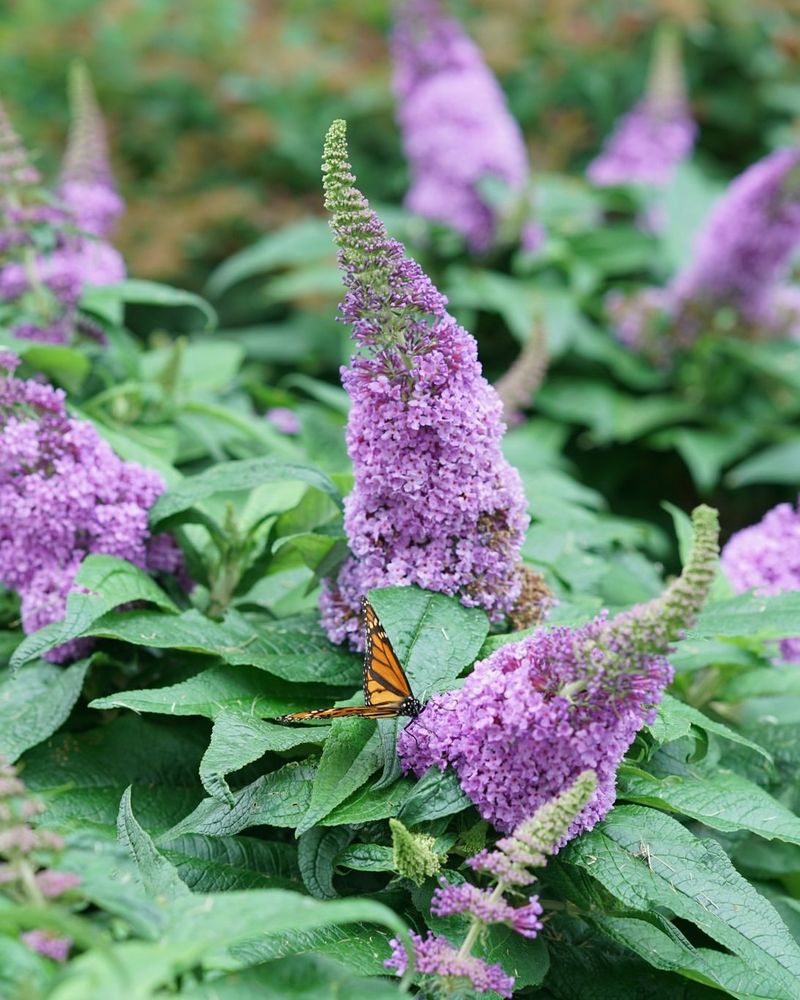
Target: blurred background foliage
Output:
[(216, 112), (217, 108)]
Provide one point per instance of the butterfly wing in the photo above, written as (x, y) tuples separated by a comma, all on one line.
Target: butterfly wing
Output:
[(387, 692), (385, 682), (357, 711)]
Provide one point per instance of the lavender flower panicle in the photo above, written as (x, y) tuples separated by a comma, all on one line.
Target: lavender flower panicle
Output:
[(16, 169), (765, 557), (23, 853), (87, 183), (509, 865), (536, 713), (658, 133), (434, 502), (455, 123), (64, 494), (744, 251), (740, 261), (435, 956)]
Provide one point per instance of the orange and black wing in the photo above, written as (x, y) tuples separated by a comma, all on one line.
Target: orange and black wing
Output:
[(385, 682), (387, 692)]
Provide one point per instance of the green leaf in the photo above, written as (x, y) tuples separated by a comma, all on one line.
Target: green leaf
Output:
[(65, 365), (223, 864), (82, 776), (436, 794), (105, 299), (107, 582), (351, 754), (368, 804), (722, 800), (367, 858), (158, 876), (776, 464), (279, 798), (294, 649), (317, 850), (674, 720), (289, 978), (361, 948), (527, 961), (297, 243), (237, 740), (647, 860), (749, 615), (34, 702), (435, 637), (244, 690), (227, 477), (200, 930)]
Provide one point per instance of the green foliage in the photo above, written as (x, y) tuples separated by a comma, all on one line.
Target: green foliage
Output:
[(223, 854)]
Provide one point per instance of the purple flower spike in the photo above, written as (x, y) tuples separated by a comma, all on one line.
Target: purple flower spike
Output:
[(456, 126), (766, 558), (658, 133), (537, 713), (434, 503), (87, 183), (745, 248), (48, 944), (63, 495), (434, 955)]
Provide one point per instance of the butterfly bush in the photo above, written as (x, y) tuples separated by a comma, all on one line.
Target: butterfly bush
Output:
[(658, 133), (765, 557), (456, 127), (741, 260), (434, 502), (536, 713), (26, 854), (53, 246), (436, 959), (63, 495)]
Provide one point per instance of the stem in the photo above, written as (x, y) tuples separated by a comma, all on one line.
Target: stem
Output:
[(478, 925), (28, 881)]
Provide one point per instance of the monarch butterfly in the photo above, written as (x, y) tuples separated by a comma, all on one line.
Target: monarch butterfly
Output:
[(387, 692)]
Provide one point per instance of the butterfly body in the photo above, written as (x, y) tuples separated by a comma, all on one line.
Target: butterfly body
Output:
[(387, 693)]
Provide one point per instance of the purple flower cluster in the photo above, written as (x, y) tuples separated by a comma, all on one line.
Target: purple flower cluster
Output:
[(486, 906), (23, 850), (51, 249), (766, 558), (741, 260), (87, 184), (536, 713), (745, 248), (658, 133), (434, 955), (434, 503), (284, 420), (63, 495), (646, 146), (456, 126), (509, 866)]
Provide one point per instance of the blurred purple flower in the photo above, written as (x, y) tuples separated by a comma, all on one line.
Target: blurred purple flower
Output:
[(456, 126), (284, 419), (658, 133), (765, 557), (87, 183), (646, 146), (487, 907), (48, 944), (435, 955), (537, 713), (745, 248), (63, 494), (434, 503), (53, 883)]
